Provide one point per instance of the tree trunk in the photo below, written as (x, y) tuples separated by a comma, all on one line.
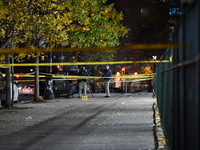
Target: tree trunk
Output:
[(8, 103), (37, 93)]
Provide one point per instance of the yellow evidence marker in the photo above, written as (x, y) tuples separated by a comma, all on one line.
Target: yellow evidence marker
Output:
[(84, 98)]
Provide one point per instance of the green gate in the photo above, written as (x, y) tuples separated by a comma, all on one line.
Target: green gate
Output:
[(177, 85)]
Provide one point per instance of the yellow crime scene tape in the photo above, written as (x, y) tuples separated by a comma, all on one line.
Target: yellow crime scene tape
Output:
[(82, 63), (87, 77), (61, 77), (108, 48), (135, 80), (92, 77), (69, 77)]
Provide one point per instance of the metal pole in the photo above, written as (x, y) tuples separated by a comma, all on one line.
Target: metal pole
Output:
[(13, 92), (50, 61)]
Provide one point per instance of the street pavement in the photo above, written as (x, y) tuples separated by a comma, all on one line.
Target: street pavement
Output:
[(121, 122)]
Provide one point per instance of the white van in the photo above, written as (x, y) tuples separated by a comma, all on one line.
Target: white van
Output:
[(3, 91)]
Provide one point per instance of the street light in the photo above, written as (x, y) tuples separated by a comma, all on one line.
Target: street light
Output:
[(154, 57), (154, 70), (154, 66)]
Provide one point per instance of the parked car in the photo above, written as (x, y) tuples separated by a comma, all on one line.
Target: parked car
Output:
[(63, 87), (14, 91), (60, 88), (27, 90)]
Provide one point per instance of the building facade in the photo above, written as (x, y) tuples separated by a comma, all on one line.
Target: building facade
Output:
[(146, 20)]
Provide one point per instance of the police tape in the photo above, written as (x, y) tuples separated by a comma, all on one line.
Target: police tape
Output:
[(135, 80), (140, 80), (22, 80), (107, 48), (82, 63), (70, 77)]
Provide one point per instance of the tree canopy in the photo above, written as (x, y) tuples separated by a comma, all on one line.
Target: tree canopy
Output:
[(50, 23)]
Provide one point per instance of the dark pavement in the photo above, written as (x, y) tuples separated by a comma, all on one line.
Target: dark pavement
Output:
[(121, 122)]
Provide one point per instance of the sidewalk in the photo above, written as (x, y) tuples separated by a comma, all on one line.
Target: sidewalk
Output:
[(123, 121)]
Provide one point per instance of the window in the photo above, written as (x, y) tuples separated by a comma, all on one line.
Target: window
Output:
[(174, 11), (127, 12), (144, 12)]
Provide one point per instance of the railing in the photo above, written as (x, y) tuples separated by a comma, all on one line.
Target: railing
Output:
[(177, 85)]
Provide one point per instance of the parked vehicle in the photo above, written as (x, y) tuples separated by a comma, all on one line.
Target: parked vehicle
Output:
[(27, 90), (60, 88), (13, 92)]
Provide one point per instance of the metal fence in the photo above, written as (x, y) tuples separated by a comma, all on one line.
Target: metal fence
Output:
[(177, 85)]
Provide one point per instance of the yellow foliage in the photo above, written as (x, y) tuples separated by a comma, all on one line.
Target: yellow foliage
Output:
[(82, 23)]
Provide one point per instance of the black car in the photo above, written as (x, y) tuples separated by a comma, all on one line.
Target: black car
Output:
[(63, 87)]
